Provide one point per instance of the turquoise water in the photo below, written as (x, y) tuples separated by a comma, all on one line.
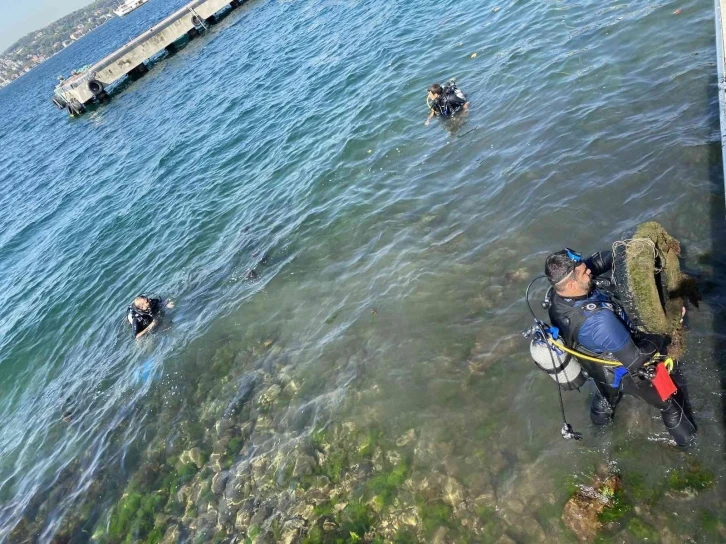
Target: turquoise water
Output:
[(390, 261)]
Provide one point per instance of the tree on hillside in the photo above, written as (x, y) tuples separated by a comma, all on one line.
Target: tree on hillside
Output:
[(60, 29)]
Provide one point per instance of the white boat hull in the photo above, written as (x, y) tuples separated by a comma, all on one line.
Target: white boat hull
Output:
[(129, 6)]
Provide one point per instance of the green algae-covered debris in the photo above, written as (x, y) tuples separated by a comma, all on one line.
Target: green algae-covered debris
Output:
[(234, 446), (660, 311), (134, 515), (314, 536), (583, 513), (385, 485), (649, 280), (642, 531), (405, 536), (434, 514), (356, 518), (134, 518), (637, 488), (709, 522), (617, 507), (694, 478)]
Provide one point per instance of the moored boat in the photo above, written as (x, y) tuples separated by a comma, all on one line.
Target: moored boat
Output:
[(128, 6)]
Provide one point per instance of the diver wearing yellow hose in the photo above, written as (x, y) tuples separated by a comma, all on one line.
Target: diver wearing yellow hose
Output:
[(591, 322)]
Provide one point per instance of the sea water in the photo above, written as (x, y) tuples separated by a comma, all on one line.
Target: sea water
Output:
[(349, 283)]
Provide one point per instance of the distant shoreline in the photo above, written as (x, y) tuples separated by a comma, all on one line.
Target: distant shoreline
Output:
[(38, 46)]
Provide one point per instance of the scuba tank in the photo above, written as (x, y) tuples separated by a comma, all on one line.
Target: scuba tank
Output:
[(452, 93), (563, 368), (560, 366), (453, 89)]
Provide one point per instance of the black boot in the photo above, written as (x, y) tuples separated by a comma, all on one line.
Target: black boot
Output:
[(601, 411), (677, 420)]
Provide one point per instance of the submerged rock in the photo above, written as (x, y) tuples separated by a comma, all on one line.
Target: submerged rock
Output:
[(223, 425), (291, 530), (582, 512), (215, 462), (263, 512), (521, 274), (244, 515), (440, 536), (529, 529), (302, 510), (172, 535), (219, 481), (454, 493), (270, 395), (407, 438), (193, 455), (304, 466)]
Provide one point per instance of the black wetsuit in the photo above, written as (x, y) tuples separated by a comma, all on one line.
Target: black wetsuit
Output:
[(448, 102), (141, 320), (596, 324)]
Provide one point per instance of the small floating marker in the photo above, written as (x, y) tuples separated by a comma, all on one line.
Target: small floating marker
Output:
[(677, 12), (496, 9), (370, 151), (473, 55)]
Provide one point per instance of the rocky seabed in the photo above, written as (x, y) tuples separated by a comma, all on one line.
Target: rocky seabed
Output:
[(270, 464)]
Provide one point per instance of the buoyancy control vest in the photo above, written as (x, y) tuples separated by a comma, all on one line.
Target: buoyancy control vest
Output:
[(451, 100), (570, 314)]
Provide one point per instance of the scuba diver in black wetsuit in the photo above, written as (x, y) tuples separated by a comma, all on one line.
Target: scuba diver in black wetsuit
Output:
[(445, 101), (592, 322), (144, 314)]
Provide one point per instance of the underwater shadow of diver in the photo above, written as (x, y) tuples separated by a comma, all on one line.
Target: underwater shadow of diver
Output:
[(718, 235)]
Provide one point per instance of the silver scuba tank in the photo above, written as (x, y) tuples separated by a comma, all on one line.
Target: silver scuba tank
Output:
[(560, 366)]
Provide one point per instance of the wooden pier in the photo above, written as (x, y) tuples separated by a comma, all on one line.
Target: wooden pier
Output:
[(131, 60)]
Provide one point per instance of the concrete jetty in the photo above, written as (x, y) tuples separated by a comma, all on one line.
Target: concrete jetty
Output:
[(75, 93)]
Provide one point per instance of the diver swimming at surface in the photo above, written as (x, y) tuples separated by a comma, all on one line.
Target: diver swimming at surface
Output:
[(445, 101), (592, 322), (144, 314)]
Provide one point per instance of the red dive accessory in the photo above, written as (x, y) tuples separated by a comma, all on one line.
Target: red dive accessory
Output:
[(663, 383)]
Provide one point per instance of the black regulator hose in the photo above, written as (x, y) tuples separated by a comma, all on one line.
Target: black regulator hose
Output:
[(568, 433)]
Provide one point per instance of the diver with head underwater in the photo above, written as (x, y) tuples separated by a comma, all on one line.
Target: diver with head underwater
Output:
[(592, 337), (445, 101), (145, 312)]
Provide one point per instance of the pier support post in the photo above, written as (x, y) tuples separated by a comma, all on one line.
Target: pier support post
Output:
[(171, 48), (138, 71), (75, 108), (234, 4), (211, 20)]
